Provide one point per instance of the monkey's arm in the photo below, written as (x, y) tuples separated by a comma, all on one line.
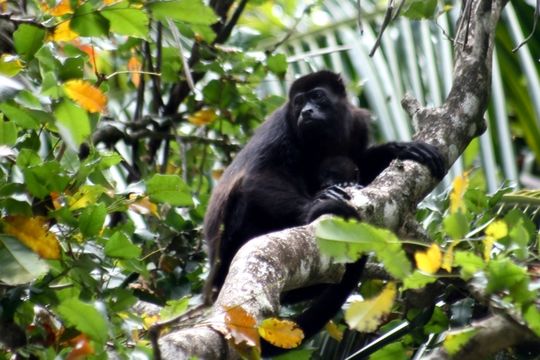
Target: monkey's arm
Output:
[(378, 157)]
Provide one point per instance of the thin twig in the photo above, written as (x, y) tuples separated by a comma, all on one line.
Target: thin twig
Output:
[(536, 15), (388, 16), (186, 67), (17, 20)]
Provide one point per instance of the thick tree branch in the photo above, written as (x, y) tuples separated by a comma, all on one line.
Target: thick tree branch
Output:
[(268, 265)]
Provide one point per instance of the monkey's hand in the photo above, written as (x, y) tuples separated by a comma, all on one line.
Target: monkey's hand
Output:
[(333, 200)]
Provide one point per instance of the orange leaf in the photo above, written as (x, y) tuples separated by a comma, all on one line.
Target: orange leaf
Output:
[(81, 348), (241, 327), (429, 261), (62, 8), (135, 66), (34, 233), (202, 117), (282, 333), (86, 95), (62, 32)]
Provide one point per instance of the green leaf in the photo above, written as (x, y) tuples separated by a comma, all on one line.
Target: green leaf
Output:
[(174, 308), (169, 189), (393, 351), (19, 115), (418, 280), (119, 246), (456, 340), (346, 241), (10, 65), (470, 264), (85, 317), (419, 9), (277, 64), (87, 21), (532, 317), (190, 11), (503, 274), (43, 179), (73, 124), (8, 132), (27, 40), (20, 265), (92, 219), (456, 225), (127, 21)]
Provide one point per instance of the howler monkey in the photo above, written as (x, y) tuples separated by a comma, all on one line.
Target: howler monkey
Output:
[(273, 183)]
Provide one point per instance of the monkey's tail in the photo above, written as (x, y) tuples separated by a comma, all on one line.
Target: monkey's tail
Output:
[(324, 307)]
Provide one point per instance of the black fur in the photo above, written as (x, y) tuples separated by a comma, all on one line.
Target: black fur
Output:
[(275, 181)]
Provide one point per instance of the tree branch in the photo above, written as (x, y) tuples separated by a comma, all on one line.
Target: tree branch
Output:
[(268, 265)]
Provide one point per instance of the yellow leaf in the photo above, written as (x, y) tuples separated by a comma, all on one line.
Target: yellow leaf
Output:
[(495, 231), (333, 331), (488, 242), (86, 195), (34, 233), (135, 66), (429, 261), (202, 117), (62, 32), (498, 229), (143, 206), (459, 187), (281, 333), (368, 315), (62, 8), (86, 95), (149, 320), (448, 258), (241, 327), (3, 5)]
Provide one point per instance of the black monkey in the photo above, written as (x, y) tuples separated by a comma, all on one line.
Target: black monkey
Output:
[(273, 184)]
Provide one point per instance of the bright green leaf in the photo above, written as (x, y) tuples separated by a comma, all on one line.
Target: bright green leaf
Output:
[(45, 178), (346, 241), (169, 189), (27, 40), (456, 340), (174, 308), (470, 264), (418, 280), (393, 351), (190, 11), (119, 246), (277, 64), (20, 265), (19, 115), (73, 124), (8, 132), (532, 317), (87, 21), (10, 65), (85, 317), (126, 21), (456, 225), (92, 219)]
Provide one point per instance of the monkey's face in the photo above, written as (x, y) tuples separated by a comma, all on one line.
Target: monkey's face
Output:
[(315, 113)]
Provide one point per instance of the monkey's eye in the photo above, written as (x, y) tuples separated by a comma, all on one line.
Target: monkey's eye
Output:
[(298, 100), (318, 94)]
